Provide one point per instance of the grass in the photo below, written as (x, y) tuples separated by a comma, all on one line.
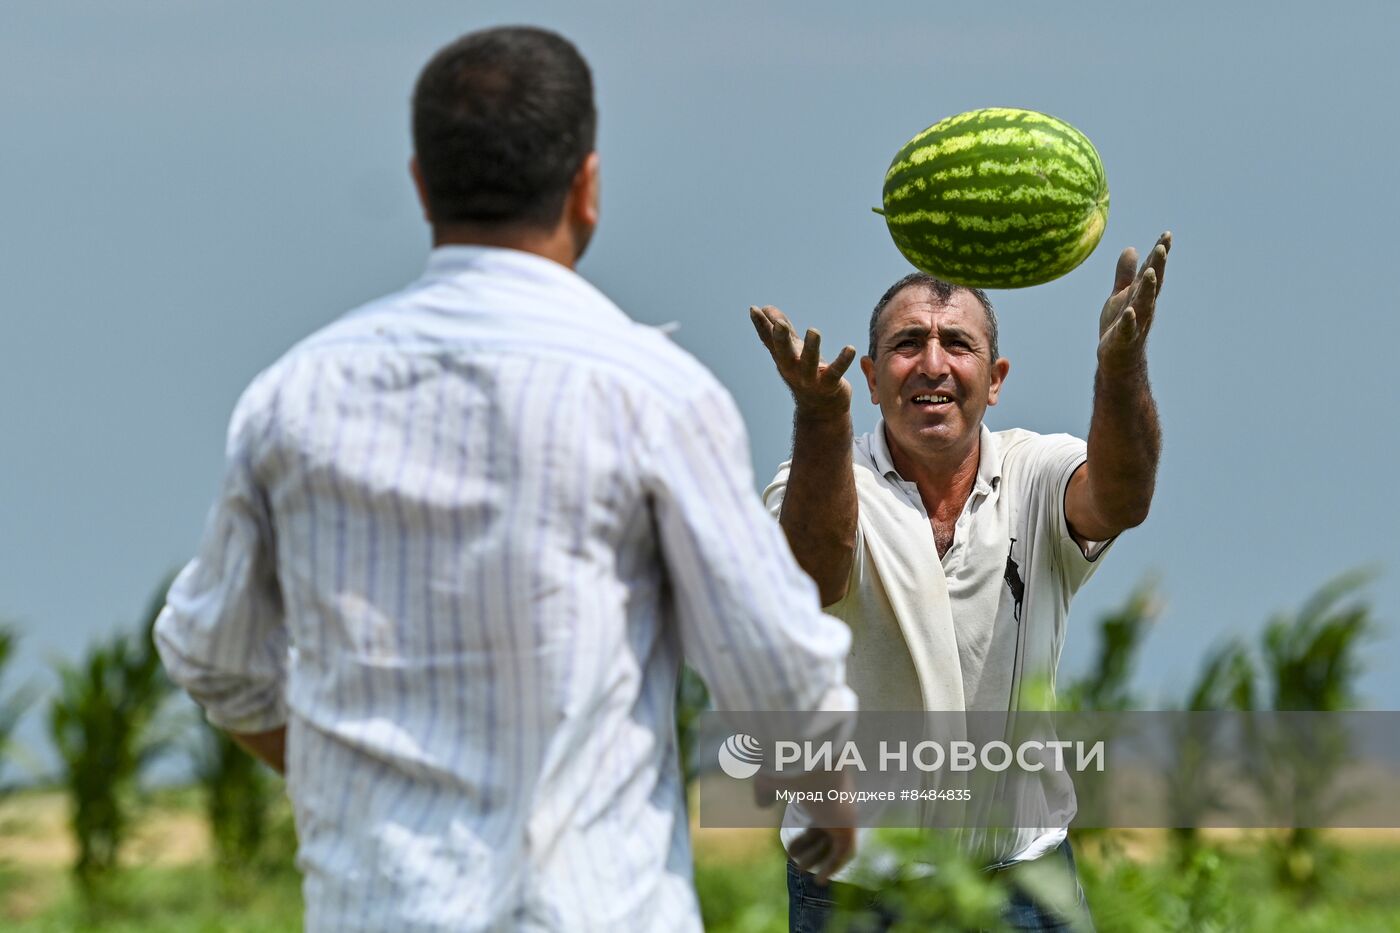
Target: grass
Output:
[(170, 882), (155, 899)]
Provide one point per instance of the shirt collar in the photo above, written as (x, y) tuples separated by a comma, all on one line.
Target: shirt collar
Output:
[(531, 269), (988, 458), (457, 258)]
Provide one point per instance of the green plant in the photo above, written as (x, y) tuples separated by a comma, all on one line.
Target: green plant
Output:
[(1194, 785), (104, 724), (1105, 686), (12, 706), (238, 792), (927, 881), (1310, 662), (1311, 659), (692, 699)]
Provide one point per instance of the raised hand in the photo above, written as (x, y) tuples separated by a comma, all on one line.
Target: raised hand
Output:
[(817, 387), (1127, 315)]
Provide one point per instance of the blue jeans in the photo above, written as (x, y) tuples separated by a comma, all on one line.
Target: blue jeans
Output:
[(812, 907)]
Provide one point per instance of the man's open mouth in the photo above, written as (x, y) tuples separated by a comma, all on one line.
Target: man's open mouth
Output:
[(932, 400)]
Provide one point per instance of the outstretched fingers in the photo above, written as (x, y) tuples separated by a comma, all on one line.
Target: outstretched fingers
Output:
[(1157, 259), (1126, 270), (837, 367), (1144, 301), (775, 330), (1149, 281), (816, 385), (811, 354), (762, 325)]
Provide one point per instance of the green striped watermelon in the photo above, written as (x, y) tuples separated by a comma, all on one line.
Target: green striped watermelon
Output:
[(996, 198)]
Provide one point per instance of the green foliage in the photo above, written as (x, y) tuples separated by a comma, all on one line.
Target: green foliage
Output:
[(1194, 785), (104, 725), (1222, 890), (1105, 686), (692, 699), (1233, 889), (12, 705), (1308, 661), (1226, 680), (238, 793), (1144, 897), (184, 899), (1311, 662), (1311, 659), (748, 896), (928, 882)]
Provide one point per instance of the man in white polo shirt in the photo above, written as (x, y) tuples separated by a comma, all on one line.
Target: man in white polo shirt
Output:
[(950, 550)]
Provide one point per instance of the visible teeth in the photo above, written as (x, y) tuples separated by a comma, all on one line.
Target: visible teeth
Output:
[(932, 398)]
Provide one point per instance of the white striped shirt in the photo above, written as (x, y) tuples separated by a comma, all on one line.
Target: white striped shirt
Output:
[(465, 536)]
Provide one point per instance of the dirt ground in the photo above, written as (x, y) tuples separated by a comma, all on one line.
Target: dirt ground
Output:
[(34, 834)]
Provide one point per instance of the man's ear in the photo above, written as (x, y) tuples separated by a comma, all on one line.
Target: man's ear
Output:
[(1000, 369), (584, 193), (867, 366), (420, 187)]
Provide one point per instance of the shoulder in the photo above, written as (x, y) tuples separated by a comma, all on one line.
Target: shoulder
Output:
[(1037, 467), (355, 331), (653, 358), (1023, 450)]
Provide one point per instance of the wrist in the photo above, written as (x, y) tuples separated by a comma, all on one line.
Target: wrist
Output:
[(1115, 368), (830, 412)]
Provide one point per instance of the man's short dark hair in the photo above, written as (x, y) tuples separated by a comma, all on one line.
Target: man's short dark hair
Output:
[(502, 120), (943, 293)]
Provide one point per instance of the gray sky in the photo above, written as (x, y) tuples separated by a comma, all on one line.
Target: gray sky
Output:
[(190, 187)]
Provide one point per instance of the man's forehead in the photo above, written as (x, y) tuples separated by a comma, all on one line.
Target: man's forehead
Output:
[(916, 307)]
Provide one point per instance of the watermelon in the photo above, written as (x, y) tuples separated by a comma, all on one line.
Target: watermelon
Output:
[(996, 198)]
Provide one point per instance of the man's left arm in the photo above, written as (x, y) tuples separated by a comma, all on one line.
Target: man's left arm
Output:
[(1113, 489), (221, 634)]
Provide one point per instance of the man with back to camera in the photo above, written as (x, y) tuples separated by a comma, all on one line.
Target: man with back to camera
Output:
[(951, 551), (466, 533)]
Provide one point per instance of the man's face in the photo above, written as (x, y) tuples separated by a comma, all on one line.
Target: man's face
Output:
[(932, 375)]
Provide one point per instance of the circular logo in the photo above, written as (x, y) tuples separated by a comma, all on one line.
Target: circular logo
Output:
[(740, 756)]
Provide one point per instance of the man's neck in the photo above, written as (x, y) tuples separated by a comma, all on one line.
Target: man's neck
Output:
[(554, 244), (944, 481)]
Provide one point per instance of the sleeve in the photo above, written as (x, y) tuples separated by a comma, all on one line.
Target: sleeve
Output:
[(749, 618), (773, 496), (1057, 459), (221, 634)]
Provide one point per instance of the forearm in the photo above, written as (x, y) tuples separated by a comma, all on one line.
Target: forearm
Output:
[(269, 747), (1125, 445), (819, 510)]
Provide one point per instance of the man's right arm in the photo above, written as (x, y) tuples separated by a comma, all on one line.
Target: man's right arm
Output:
[(748, 616), (819, 511)]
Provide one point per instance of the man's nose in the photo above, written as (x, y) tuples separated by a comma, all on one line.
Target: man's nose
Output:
[(934, 360)]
